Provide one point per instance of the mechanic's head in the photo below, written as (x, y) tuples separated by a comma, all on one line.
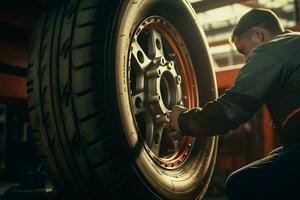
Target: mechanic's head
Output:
[(256, 27)]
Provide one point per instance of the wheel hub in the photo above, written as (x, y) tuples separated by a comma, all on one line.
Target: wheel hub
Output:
[(161, 76)]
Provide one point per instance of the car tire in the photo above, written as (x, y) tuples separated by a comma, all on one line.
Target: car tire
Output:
[(102, 78)]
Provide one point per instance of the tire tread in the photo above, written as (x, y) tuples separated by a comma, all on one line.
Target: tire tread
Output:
[(66, 99)]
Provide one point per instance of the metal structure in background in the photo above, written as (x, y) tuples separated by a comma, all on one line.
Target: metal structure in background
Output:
[(2, 137), (287, 15), (17, 19), (218, 18), (205, 5)]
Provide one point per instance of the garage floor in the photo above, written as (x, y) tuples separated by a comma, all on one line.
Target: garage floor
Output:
[(216, 190), (5, 186)]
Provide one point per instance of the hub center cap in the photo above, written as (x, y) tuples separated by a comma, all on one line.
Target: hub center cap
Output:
[(164, 86)]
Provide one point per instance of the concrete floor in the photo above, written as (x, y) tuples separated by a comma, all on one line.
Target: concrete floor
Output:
[(4, 186), (212, 194)]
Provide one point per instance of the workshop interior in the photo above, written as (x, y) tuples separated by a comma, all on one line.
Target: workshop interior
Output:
[(72, 90)]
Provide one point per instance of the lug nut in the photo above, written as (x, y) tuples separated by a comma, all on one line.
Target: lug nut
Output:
[(162, 119), (155, 73), (178, 79), (153, 99), (170, 64), (162, 61), (181, 103)]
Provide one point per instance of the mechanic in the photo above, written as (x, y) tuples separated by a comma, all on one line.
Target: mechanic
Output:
[(270, 76)]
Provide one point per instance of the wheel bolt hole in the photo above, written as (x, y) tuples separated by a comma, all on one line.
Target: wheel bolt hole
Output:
[(140, 57), (162, 61), (178, 79), (138, 103), (159, 72), (158, 44), (168, 89)]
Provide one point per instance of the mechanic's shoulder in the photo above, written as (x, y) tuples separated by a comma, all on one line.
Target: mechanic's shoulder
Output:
[(280, 45), (282, 41)]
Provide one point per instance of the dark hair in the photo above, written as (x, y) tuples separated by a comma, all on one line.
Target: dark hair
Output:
[(257, 17)]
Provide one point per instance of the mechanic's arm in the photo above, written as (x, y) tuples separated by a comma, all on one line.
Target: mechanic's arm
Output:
[(255, 81)]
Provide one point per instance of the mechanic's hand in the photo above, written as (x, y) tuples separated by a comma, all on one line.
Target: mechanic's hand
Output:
[(173, 125)]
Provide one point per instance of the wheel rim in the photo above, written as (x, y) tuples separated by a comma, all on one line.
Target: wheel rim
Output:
[(161, 75)]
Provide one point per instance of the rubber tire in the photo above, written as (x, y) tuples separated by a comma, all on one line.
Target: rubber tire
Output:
[(77, 59)]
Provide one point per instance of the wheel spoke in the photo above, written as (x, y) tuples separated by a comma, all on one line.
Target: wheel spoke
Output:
[(155, 44), (175, 142), (141, 58), (139, 83), (157, 138), (149, 127)]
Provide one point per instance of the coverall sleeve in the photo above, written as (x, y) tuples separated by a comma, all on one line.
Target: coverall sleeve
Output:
[(254, 83)]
